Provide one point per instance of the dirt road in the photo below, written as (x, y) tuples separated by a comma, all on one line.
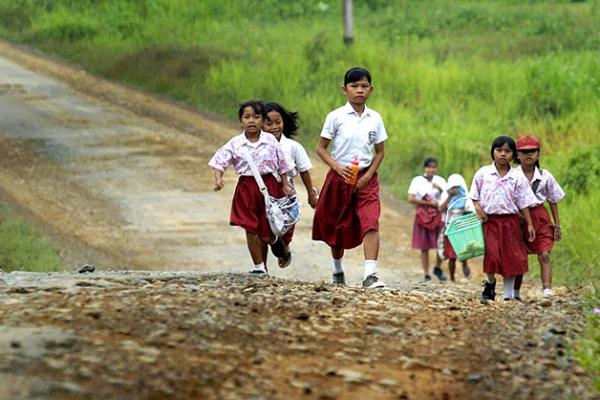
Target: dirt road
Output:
[(118, 178)]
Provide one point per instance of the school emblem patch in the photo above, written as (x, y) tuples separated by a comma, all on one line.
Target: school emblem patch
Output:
[(372, 135)]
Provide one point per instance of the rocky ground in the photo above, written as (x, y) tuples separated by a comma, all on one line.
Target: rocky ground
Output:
[(155, 335)]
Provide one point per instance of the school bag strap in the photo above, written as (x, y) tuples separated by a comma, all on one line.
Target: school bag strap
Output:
[(282, 213)]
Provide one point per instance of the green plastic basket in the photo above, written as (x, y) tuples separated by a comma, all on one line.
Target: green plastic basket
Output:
[(466, 236)]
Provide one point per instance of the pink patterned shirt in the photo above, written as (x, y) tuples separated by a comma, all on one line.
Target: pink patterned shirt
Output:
[(547, 188), (501, 194), (266, 153)]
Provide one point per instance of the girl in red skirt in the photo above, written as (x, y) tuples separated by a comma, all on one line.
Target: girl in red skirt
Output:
[(248, 205), (499, 193), (545, 188), (283, 124), (348, 209)]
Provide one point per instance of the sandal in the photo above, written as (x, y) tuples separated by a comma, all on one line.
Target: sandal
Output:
[(285, 261)]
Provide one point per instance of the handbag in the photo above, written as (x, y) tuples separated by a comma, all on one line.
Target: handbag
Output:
[(428, 216), (282, 213)]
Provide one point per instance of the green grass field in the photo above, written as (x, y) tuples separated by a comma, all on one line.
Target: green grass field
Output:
[(22, 247), (449, 76)]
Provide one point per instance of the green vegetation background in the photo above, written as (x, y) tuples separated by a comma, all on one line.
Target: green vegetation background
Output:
[(449, 76)]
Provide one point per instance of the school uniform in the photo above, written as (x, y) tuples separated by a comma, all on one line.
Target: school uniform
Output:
[(299, 162), (501, 198), (342, 217), (248, 205), (421, 187), (545, 188)]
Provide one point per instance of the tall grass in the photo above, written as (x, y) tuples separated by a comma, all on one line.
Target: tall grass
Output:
[(448, 76), (23, 248)]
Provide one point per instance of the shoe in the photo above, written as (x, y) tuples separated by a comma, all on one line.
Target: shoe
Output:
[(489, 291), (437, 271), (278, 248), (427, 278), (372, 282), (258, 272), (285, 261), (507, 299), (339, 279), (547, 292), (466, 271), (517, 298)]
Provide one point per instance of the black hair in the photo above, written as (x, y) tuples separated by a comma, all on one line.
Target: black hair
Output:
[(501, 141), (290, 119), (537, 163), (257, 105), (429, 160), (355, 74)]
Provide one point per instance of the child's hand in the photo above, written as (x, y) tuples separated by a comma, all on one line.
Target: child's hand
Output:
[(531, 233), (481, 214), (557, 234), (362, 182), (453, 192), (344, 171), (219, 184), (313, 197), (287, 190)]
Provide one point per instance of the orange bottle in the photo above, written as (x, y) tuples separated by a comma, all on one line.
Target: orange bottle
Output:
[(352, 180)]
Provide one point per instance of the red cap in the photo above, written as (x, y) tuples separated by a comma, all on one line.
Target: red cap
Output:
[(528, 143)]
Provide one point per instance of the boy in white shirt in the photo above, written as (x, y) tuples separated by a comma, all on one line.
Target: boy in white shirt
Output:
[(347, 213)]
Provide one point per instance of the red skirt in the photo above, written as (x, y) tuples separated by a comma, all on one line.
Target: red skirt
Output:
[(248, 205), (505, 251), (544, 232), (343, 217), (425, 239), (449, 252)]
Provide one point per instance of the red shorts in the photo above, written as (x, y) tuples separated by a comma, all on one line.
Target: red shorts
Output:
[(343, 217), (248, 205), (544, 232), (505, 251)]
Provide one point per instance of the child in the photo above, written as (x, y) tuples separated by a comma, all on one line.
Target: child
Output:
[(425, 192), (499, 193), (545, 187), (248, 204), (348, 214), (455, 197), (283, 125)]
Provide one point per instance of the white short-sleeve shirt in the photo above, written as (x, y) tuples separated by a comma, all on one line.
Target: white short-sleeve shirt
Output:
[(297, 156), (421, 186), (547, 187), (353, 136)]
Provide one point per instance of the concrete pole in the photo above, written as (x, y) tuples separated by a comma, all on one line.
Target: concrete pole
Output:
[(347, 12)]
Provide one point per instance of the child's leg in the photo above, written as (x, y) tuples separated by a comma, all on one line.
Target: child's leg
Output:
[(466, 269), (425, 261), (451, 268), (257, 248), (371, 252), (517, 286), (509, 283), (546, 267)]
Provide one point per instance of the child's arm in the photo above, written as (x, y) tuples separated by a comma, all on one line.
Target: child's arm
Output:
[(479, 210), (341, 170), (313, 195), (367, 176), (556, 226), (219, 180), (444, 204), (530, 230), (412, 199), (285, 186)]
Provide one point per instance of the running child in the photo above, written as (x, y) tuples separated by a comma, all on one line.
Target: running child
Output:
[(545, 188), (425, 192), (248, 204), (455, 198), (347, 213), (499, 193), (283, 124)]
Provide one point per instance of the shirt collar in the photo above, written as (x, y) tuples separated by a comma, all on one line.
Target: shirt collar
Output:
[(537, 174), (261, 139), (348, 109), (494, 171)]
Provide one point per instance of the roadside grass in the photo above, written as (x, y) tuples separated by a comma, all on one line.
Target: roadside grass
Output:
[(22, 248)]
